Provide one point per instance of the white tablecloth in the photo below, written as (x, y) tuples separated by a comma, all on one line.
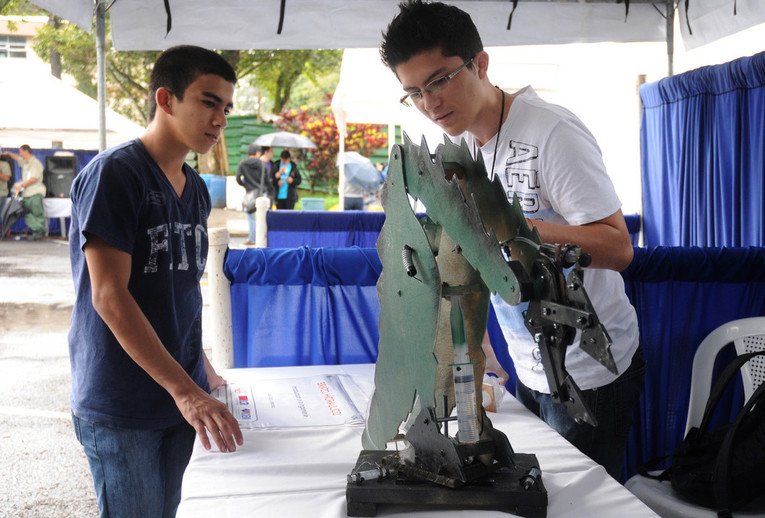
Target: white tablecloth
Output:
[(60, 208), (301, 472), (57, 207)]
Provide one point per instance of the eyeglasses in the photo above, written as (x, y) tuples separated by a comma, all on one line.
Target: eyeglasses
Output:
[(434, 87)]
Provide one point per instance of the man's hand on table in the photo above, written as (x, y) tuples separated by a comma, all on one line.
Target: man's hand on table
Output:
[(207, 414)]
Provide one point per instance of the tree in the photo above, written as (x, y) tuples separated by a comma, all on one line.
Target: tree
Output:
[(280, 70), (127, 72), (20, 7), (320, 127)]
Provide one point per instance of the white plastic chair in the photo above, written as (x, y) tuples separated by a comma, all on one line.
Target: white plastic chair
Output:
[(747, 335)]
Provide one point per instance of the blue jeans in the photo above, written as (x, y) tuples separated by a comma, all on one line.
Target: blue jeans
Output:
[(251, 223), (136, 473), (612, 406)]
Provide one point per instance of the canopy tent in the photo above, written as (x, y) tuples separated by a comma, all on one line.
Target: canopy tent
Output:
[(40, 110), (292, 24)]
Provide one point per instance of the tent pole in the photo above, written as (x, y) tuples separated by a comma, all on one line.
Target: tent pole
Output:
[(341, 176), (670, 36), (101, 64)]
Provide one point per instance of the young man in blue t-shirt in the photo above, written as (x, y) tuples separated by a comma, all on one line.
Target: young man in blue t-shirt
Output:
[(138, 247)]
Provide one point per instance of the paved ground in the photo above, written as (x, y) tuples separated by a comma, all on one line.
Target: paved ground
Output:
[(44, 471)]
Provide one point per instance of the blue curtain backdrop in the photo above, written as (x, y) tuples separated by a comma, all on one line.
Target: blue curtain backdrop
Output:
[(702, 142), (295, 228)]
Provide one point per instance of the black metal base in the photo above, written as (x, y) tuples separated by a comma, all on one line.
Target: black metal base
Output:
[(501, 490)]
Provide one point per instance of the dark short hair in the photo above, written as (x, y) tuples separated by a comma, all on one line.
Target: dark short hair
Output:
[(254, 149), (179, 66), (285, 154), (26, 148), (421, 26)]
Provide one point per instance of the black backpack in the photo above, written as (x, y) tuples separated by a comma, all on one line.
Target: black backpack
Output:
[(723, 468)]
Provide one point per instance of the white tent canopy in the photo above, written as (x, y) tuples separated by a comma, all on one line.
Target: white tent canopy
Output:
[(40, 110), (244, 24), (292, 24)]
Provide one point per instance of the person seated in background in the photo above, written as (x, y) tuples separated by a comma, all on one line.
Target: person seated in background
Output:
[(286, 179), (32, 190)]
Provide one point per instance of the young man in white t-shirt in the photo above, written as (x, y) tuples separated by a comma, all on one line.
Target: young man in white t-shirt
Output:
[(549, 159)]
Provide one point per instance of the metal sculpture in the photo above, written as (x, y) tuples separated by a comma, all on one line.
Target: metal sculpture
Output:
[(438, 271)]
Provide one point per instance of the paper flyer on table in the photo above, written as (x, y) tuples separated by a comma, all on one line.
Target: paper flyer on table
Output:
[(293, 402)]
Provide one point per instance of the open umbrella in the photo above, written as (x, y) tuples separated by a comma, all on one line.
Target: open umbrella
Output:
[(285, 139), (360, 171), (12, 211)]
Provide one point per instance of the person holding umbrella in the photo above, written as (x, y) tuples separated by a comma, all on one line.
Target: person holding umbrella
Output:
[(286, 179), (253, 175), (32, 190), (354, 196), (361, 178)]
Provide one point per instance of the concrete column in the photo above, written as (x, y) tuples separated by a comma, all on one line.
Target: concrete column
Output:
[(220, 301), (262, 205)]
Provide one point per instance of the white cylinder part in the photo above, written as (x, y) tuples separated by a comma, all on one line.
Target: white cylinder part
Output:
[(464, 394), (220, 301), (262, 204)]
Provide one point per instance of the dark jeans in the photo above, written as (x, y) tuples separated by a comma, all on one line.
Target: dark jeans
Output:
[(286, 203), (354, 203), (612, 406), (136, 472)]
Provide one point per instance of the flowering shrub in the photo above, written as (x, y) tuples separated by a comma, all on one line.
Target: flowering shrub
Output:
[(322, 130)]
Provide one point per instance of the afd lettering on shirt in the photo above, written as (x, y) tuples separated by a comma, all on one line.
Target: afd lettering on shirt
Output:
[(159, 238), (521, 179)]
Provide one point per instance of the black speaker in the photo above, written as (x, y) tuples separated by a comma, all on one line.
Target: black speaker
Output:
[(59, 175)]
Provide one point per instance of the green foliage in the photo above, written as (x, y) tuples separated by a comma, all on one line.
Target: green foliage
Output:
[(274, 72), (127, 73), (320, 127), (278, 71), (19, 7)]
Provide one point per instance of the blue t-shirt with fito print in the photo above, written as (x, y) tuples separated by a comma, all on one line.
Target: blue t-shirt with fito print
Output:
[(123, 197)]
